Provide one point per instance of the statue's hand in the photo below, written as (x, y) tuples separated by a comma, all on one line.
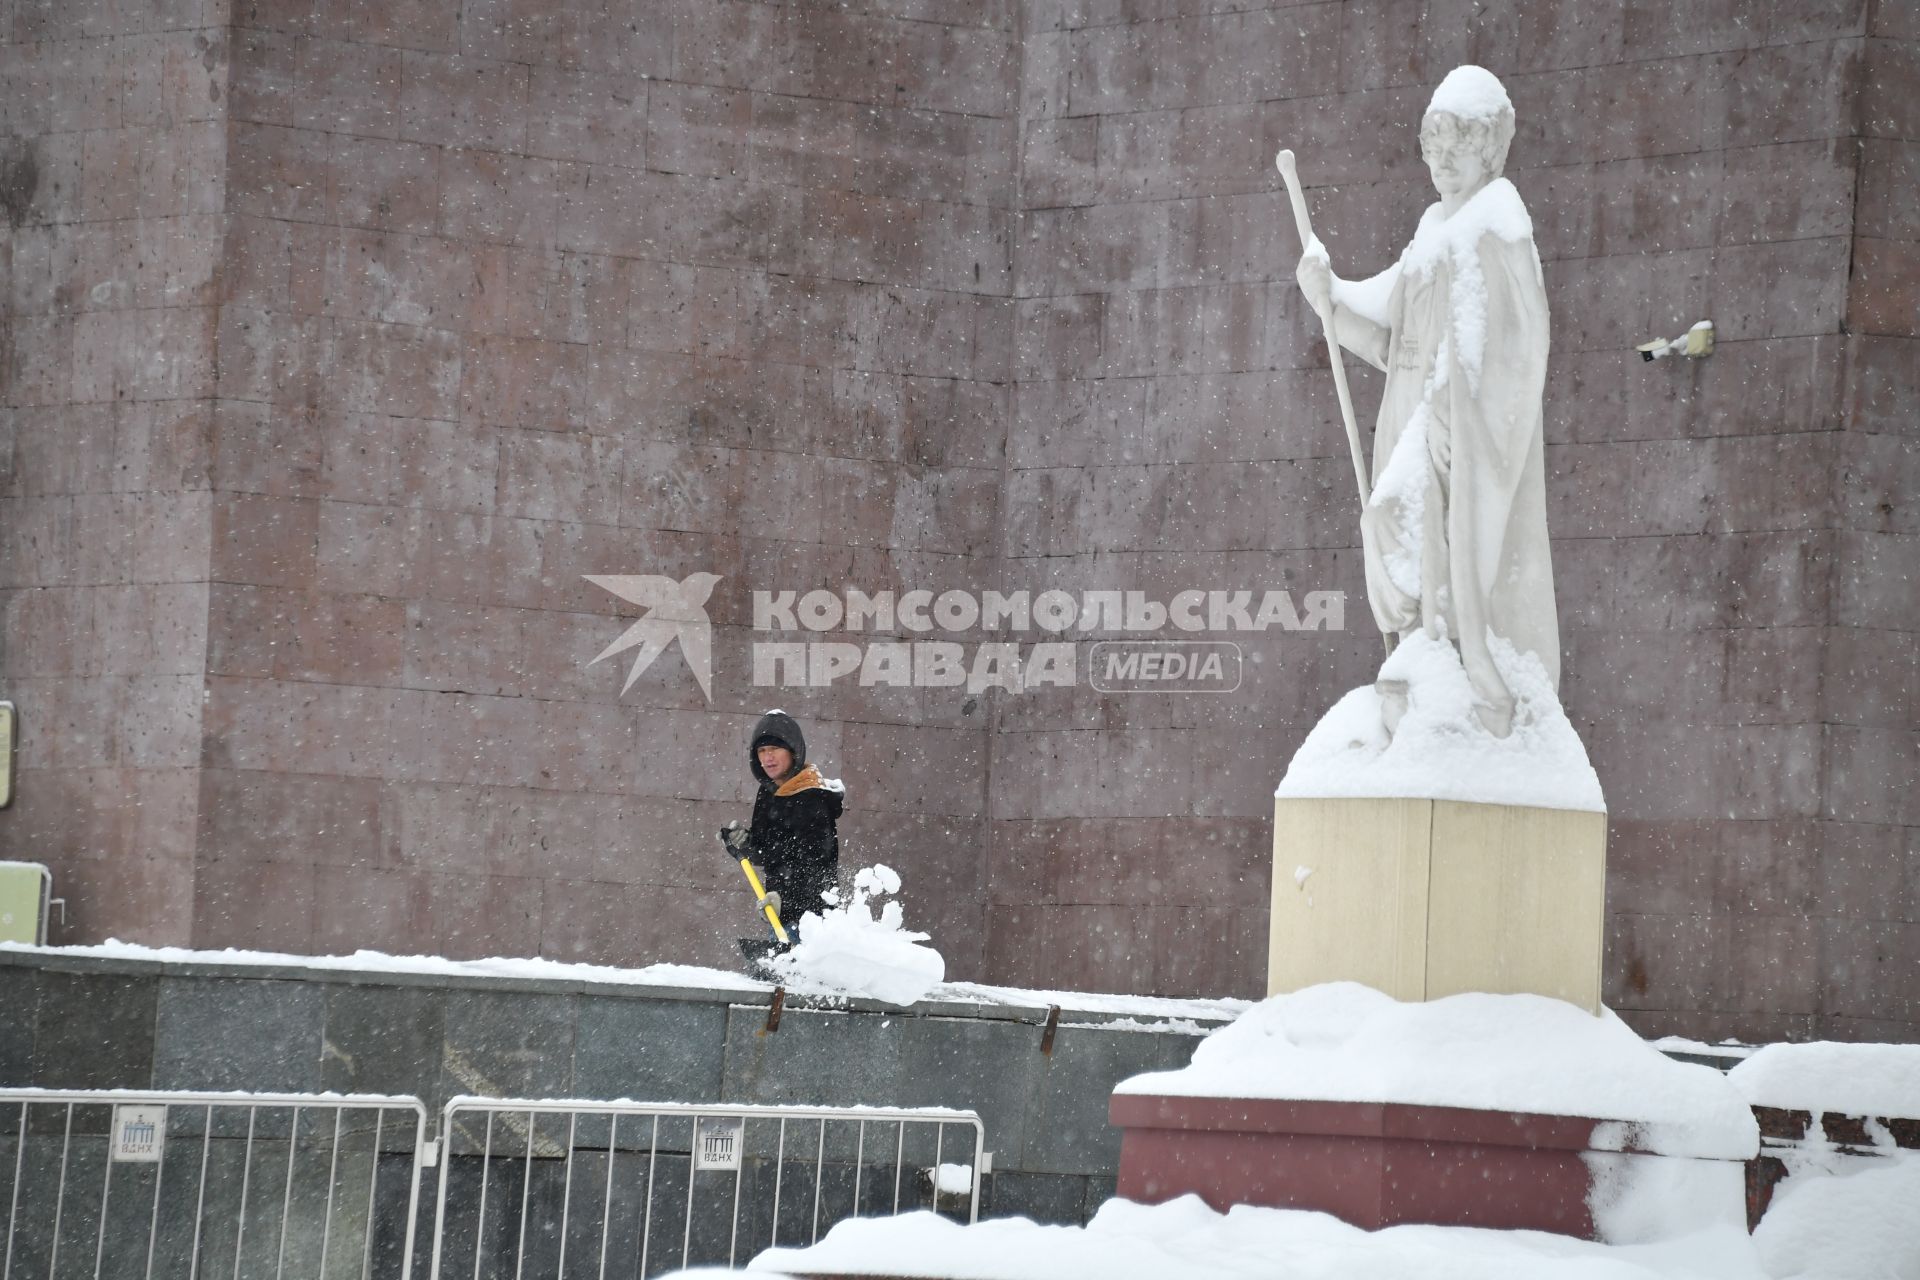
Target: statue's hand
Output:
[(1315, 275)]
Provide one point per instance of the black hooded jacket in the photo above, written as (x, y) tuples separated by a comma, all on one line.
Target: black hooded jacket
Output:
[(794, 841)]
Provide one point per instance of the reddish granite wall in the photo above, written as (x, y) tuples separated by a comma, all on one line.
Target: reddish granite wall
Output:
[(113, 179), (522, 292), (492, 294), (1733, 537)]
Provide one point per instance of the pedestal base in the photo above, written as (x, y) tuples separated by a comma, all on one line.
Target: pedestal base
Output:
[(1374, 1164), (1429, 898)]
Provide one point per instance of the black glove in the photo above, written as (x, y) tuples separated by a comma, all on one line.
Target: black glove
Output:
[(734, 836)]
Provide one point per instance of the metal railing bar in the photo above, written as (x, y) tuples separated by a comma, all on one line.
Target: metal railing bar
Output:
[(200, 1195), (646, 1220), (859, 1159), (979, 1149), (13, 1206), (526, 1190), (606, 1206), (939, 1147), (246, 1180), (739, 1176), (471, 1102), (106, 1191), (819, 1176), (333, 1174), (693, 1161), (480, 1222), (60, 1198), (779, 1168), (153, 1223), (566, 1197), (899, 1163), (440, 1200), (286, 1199), (413, 1183), (200, 1097), (373, 1181)]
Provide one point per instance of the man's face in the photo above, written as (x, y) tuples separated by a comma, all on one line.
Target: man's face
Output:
[(1453, 155), (775, 761)]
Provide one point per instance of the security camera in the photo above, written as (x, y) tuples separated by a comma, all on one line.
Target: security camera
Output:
[(1695, 344)]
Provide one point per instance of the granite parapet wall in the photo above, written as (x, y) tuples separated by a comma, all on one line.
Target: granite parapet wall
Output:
[(96, 1024)]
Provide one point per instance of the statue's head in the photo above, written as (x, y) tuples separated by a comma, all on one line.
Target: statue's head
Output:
[(1470, 123)]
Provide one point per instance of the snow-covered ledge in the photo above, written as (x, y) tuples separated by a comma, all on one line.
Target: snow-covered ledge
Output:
[(1514, 1112)]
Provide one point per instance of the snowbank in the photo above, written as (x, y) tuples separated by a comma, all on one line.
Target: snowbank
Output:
[(1439, 750), (1852, 1225), (1185, 1240), (1343, 1042), (850, 951), (1845, 1079)]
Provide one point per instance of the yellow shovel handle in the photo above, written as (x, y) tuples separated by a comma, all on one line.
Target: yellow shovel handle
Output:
[(773, 917)]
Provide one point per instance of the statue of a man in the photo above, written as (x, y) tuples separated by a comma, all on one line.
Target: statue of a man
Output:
[(1455, 528)]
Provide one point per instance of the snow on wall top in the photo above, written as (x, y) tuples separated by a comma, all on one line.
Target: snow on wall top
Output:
[(1343, 1042), (1844, 1079), (1158, 1012)]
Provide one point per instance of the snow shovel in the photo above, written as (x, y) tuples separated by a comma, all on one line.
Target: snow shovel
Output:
[(759, 890)]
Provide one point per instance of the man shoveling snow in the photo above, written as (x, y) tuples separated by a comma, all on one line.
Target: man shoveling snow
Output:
[(793, 840)]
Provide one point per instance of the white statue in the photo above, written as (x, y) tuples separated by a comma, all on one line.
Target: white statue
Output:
[(1455, 522)]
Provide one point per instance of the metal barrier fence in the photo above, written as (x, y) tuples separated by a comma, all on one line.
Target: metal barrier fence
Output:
[(576, 1189), (218, 1185), (235, 1186)]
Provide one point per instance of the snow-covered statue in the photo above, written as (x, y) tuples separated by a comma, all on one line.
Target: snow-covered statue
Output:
[(1455, 523)]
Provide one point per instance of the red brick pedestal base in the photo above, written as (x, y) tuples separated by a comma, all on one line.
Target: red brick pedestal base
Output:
[(1370, 1164)]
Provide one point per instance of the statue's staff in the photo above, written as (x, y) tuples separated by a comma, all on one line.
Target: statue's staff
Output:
[(1304, 224)]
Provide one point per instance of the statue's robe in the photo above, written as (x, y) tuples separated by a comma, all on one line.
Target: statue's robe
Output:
[(1459, 326)]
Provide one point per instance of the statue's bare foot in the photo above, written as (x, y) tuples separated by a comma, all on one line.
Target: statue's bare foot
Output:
[(1496, 720), (1393, 703)]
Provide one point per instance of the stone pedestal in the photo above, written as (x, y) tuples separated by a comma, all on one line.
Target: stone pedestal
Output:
[(1429, 898), (1381, 1164)]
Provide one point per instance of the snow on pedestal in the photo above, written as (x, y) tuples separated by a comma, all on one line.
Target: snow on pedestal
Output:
[(1419, 853), (1483, 1110), (1438, 750)]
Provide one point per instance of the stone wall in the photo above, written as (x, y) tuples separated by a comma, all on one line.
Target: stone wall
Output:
[(106, 1024), (113, 180), (471, 298), (1737, 610)]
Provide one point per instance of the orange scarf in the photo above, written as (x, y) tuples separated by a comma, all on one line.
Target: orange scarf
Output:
[(805, 780)]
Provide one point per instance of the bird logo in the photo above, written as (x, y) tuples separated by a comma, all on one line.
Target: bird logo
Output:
[(678, 611)]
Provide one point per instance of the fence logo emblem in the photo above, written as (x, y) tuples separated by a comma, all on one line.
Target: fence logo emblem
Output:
[(717, 1142), (678, 611), (139, 1134)]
